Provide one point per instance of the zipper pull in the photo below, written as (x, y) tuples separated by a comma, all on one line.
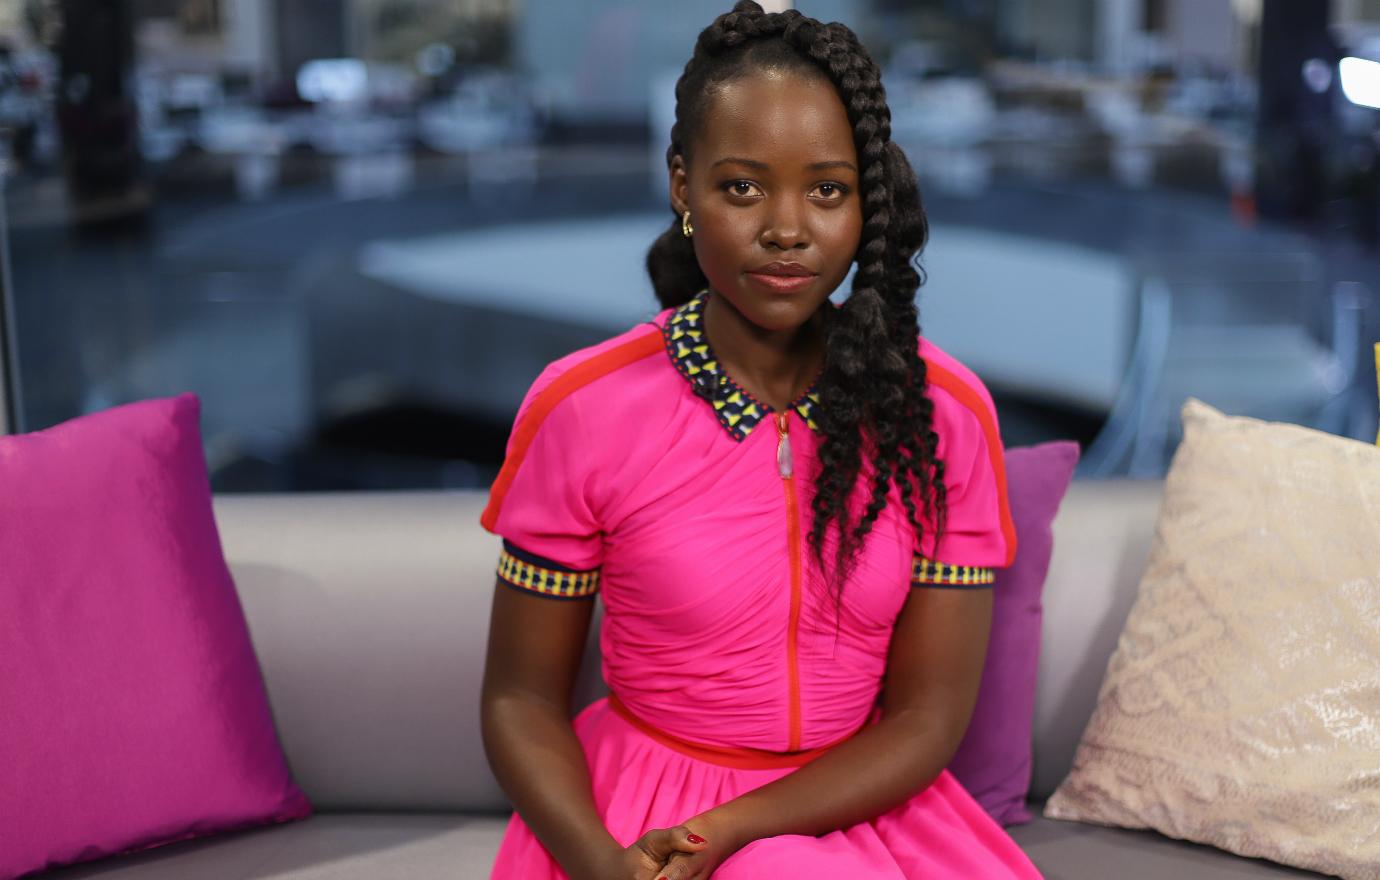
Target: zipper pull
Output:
[(784, 462)]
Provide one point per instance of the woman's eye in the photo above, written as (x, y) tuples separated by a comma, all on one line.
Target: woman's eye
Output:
[(831, 192), (742, 188)]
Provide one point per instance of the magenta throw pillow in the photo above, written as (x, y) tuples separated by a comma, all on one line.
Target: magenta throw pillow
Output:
[(132, 708), (993, 761)]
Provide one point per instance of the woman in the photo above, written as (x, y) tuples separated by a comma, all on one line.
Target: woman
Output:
[(792, 510)]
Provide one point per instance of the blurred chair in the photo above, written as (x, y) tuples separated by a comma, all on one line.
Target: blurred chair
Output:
[(1237, 332)]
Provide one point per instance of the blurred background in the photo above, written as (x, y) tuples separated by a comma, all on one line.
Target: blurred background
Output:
[(359, 228)]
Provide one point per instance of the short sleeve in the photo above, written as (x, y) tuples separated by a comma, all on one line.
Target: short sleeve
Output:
[(541, 504), (978, 535)]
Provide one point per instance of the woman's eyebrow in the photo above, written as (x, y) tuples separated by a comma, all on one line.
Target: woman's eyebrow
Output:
[(763, 166)]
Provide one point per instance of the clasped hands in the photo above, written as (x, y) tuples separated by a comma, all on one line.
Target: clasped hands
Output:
[(677, 853)]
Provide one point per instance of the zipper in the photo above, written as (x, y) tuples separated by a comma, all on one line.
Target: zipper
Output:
[(785, 466)]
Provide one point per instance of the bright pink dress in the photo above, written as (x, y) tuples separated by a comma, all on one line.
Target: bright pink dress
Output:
[(720, 645)]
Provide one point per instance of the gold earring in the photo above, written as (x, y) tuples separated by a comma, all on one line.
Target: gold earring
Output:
[(685, 228)]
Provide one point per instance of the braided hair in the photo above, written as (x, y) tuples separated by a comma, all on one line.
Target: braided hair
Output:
[(872, 389)]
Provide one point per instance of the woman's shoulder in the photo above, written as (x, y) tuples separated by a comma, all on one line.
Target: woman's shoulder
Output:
[(980, 528), (956, 390), (589, 371)]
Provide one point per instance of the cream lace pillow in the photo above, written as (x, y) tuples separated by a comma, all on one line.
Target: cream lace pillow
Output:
[(1241, 708)]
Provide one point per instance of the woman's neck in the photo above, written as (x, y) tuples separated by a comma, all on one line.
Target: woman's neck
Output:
[(775, 366)]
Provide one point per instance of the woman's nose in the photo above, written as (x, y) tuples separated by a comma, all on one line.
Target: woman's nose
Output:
[(785, 228)]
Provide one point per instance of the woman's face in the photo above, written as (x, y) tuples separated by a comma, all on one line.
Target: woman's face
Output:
[(773, 193)]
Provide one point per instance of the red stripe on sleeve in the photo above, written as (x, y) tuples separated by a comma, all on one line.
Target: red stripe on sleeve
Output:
[(969, 397), (573, 379)]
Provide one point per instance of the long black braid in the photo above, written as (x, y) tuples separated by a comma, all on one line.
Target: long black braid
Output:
[(872, 390)]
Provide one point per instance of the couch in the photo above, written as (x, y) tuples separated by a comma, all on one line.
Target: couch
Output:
[(369, 611)]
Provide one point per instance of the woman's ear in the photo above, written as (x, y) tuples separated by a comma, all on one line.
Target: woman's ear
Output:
[(680, 186)]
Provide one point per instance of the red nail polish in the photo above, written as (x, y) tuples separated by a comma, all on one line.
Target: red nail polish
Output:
[(694, 838)]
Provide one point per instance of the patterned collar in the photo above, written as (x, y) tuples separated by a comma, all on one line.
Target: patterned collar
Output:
[(737, 410)]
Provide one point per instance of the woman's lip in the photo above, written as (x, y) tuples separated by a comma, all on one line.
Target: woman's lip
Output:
[(781, 283)]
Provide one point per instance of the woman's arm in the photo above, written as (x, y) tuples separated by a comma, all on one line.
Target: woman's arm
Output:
[(933, 671), (535, 648)]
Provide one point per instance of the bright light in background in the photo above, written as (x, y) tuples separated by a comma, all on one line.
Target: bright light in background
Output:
[(341, 80), (1248, 11), (1317, 73), (435, 59), (1361, 81)]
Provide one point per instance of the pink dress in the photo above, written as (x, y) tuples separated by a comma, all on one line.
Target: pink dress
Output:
[(621, 480)]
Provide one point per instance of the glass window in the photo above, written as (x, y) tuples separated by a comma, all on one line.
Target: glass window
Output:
[(359, 228)]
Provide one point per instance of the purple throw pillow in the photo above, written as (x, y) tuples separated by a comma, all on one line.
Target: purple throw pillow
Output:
[(994, 760), (132, 708)]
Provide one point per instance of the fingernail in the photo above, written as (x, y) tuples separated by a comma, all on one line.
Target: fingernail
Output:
[(694, 838)]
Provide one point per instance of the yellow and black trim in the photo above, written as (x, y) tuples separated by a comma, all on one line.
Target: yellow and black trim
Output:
[(534, 574), (928, 573), (737, 410)]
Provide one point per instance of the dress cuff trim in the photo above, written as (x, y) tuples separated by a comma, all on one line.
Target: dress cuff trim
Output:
[(928, 573), (535, 574)]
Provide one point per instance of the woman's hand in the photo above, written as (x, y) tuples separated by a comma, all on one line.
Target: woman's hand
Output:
[(646, 859), (697, 866), (716, 846)]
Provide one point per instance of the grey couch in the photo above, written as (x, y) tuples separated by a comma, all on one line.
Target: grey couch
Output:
[(369, 613)]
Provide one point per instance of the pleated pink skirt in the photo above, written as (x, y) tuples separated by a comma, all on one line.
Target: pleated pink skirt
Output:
[(642, 782)]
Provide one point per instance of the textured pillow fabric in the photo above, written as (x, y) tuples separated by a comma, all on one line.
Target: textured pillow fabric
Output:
[(132, 708), (994, 760), (1241, 707)]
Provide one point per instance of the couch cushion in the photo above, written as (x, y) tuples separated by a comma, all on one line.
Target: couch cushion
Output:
[(396, 586), (329, 846), (993, 761), (370, 615), (1239, 708), (377, 846), (1076, 851), (132, 709), (1101, 540)]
